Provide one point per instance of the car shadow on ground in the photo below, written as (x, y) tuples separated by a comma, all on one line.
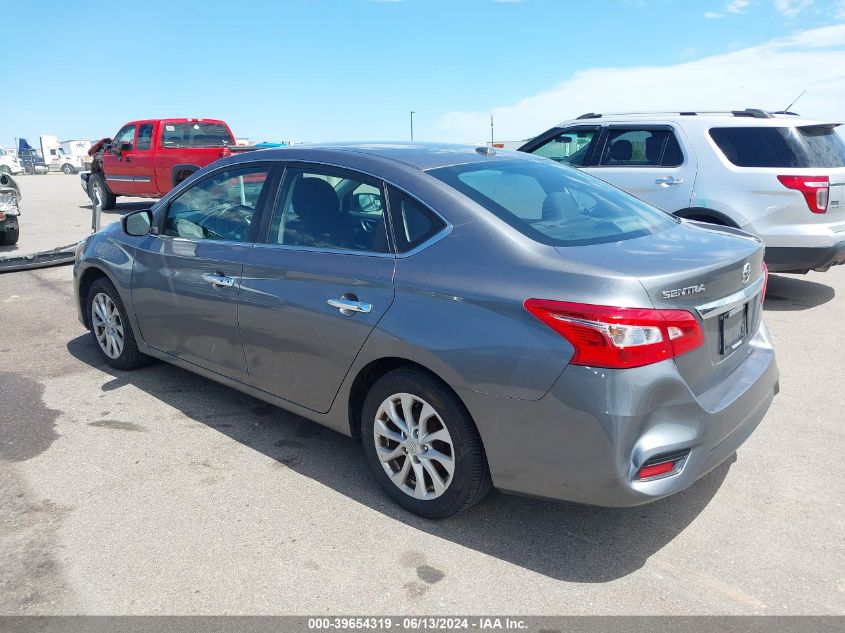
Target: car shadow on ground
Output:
[(123, 208), (789, 293), (563, 541)]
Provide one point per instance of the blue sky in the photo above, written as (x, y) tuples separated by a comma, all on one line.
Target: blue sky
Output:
[(353, 69)]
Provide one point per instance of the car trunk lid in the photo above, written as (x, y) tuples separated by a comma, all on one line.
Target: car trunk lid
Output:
[(713, 272)]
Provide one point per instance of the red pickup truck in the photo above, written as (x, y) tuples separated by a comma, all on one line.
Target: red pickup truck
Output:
[(148, 158)]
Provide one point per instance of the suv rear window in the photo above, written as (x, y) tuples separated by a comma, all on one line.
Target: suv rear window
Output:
[(553, 204), (196, 134), (805, 146)]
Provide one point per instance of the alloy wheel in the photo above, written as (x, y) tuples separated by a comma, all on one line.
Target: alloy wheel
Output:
[(108, 327), (414, 446)]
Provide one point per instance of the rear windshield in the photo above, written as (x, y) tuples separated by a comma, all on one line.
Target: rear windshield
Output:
[(805, 146), (554, 204), (194, 134)]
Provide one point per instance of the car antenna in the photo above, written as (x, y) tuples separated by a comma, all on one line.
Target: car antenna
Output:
[(789, 107)]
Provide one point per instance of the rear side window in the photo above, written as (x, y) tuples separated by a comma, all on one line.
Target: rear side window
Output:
[(811, 146), (641, 148), (553, 204), (196, 134), (413, 224)]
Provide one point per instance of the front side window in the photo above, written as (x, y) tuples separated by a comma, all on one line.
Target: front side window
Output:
[(807, 146), (330, 209), (195, 134), (553, 204), (571, 146), (222, 207), (126, 135), (145, 136), (641, 148)]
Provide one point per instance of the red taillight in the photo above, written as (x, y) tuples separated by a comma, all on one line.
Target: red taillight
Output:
[(765, 282), (617, 338), (816, 190), (646, 472)]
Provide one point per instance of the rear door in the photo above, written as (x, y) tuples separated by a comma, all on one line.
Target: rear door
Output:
[(186, 279), (649, 162), (117, 164), (312, 292)]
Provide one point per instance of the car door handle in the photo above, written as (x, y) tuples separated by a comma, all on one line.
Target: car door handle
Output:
[(668, 181), (219, 281), (348, 307)]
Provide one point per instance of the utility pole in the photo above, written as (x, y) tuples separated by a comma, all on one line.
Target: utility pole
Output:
[(491, 131), (412, 125)]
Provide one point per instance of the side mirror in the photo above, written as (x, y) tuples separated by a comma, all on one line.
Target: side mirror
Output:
[(137, 223), (368, 202), (126, 146)]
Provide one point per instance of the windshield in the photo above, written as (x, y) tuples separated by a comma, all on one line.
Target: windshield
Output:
[(196, 134), (553, 204), (813, 146)]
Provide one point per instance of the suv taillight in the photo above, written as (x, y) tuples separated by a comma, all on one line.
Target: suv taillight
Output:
[(816, 190), (617, 338)]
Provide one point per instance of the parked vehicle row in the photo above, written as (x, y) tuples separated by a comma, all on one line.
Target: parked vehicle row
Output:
[(777, 176), (478, 318)]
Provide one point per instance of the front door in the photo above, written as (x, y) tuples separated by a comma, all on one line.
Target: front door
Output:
[(186, 279), (140, 160), (648, 162), (117, 164), (312, 292)]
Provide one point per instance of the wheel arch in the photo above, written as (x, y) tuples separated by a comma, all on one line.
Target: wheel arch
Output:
[(369, 374), (704, 214), (182, 172)]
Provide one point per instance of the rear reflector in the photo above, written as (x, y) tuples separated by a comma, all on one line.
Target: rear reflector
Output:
[(646, 472), (618, 338), (816, 190)]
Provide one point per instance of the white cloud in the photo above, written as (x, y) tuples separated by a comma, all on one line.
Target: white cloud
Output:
[(766, 76), (737, 6), (712, 15), (791, 8)]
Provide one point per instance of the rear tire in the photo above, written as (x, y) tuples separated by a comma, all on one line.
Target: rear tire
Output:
[(436, 441), (110, 327), (99, 192)]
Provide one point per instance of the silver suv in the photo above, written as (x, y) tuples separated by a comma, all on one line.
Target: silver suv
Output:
[(775, 175)]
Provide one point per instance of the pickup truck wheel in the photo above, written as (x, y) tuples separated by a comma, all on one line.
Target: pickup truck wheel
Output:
[(67, 168), (100, 194)]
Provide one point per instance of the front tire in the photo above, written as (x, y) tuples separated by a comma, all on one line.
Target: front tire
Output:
[(110, 327), (99, 193), (67, 168), (422, 445), (9, 236)]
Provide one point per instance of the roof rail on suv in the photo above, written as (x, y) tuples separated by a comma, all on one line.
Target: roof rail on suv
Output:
[(749, 112)]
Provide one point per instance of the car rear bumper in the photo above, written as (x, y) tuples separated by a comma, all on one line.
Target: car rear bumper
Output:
[(587, 438), (803, 259)]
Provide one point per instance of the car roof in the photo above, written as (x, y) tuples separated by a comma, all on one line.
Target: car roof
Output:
[(422, 156), (735, 118)]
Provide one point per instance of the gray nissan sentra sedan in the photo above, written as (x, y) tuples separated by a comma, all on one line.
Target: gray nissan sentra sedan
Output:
[(477, 318)]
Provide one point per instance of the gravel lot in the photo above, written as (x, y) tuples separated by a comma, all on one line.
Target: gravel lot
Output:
[(157, 491)]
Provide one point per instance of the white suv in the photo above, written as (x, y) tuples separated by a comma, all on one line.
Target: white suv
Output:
[(777, 176)]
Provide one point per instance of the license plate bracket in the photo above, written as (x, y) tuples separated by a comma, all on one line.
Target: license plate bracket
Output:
[(733, 326)]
